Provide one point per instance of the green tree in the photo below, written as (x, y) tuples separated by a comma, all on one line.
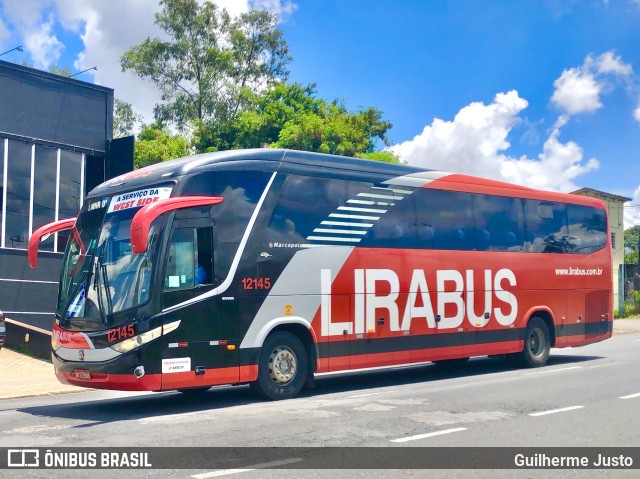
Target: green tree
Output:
[(265, 115), (125, 118), (335, 130), (155, 144), (209, 62), (291, 116), (384, 156), (62, 71), (631, 239)]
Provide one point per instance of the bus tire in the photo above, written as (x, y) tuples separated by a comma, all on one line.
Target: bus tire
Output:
[(537, 344), (282, 367)]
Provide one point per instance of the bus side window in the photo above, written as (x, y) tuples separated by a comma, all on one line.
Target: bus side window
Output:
[(190, 259), (546, 227), (587, 228)]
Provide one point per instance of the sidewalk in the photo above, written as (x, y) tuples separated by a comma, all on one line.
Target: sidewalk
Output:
[(23, 376)]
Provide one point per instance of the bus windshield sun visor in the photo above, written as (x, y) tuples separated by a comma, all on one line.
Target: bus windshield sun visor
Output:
[(42, 233), (142, 220)]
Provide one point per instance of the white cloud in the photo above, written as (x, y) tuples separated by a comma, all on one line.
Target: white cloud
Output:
[(4, 32), (281, 8), (609, 63), (632, 210), (476, 141), (578, 90), (106, 33), (636, 113), (43, 46)]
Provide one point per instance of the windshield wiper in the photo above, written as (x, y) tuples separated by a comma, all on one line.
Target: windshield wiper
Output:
[(107, 291), (97, 284)]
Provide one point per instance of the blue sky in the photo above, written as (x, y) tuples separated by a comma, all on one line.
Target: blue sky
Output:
[(543, 93)]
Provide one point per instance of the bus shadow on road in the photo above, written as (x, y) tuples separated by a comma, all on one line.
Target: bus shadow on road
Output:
[(429, 373), (156, 405)]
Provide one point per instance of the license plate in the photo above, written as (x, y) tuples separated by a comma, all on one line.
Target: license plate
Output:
[(82, 373)]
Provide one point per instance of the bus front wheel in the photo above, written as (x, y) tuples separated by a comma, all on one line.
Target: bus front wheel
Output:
[(537, 344), (282, 367)]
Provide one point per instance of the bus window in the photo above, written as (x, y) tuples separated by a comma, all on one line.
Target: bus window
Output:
[(301, 214), (189, 263), (241, 191), (396, 227), (546, 227), (445, 219), (499, 223), (587, 228)]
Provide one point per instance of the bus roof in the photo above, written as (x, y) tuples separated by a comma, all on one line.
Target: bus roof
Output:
[(301, 162)]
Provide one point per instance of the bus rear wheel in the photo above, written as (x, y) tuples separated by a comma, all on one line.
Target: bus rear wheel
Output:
[(282, 367), (537, 344)]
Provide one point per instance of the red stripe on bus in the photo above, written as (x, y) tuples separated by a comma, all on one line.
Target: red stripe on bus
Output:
[(469, 184), (122, 382)]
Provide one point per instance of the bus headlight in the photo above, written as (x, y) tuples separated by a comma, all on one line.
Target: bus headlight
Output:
[(137, 341)]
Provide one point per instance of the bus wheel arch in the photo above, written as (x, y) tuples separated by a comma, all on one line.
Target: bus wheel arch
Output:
[(285, 362)]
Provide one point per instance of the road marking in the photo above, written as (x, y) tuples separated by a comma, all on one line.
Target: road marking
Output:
[(553, 411), (429, 434), (545, 371), (227, 472), (630, 396)]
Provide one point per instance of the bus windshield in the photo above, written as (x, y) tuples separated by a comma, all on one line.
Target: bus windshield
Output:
[(100, 275)]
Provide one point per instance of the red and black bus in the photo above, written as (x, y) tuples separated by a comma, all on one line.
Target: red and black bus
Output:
[(269, 266)]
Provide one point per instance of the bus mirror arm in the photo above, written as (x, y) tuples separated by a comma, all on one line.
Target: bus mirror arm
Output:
[(142, 220), (43, 232)]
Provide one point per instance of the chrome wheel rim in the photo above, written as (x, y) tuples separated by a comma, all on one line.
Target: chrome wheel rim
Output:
[(283, 365)]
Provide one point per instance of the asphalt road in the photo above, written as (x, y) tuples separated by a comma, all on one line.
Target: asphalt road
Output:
[(584, 397)]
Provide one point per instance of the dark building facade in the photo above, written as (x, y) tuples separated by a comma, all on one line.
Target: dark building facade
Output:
[(55, 146)]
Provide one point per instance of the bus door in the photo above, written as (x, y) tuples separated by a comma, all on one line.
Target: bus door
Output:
[(203, 350)]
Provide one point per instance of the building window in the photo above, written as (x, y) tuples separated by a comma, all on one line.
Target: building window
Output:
[(18, 194), (613, 240), (38, 185)]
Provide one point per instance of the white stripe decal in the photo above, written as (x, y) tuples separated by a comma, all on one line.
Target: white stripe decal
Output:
[(334, 238), (346, 232), (354, 217), (236, 259), (90, 355), (373, 195), (417, 180), (361, 210), (345, 223)]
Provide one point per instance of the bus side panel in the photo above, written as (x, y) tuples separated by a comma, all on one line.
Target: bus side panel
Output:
[(430, 315)]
